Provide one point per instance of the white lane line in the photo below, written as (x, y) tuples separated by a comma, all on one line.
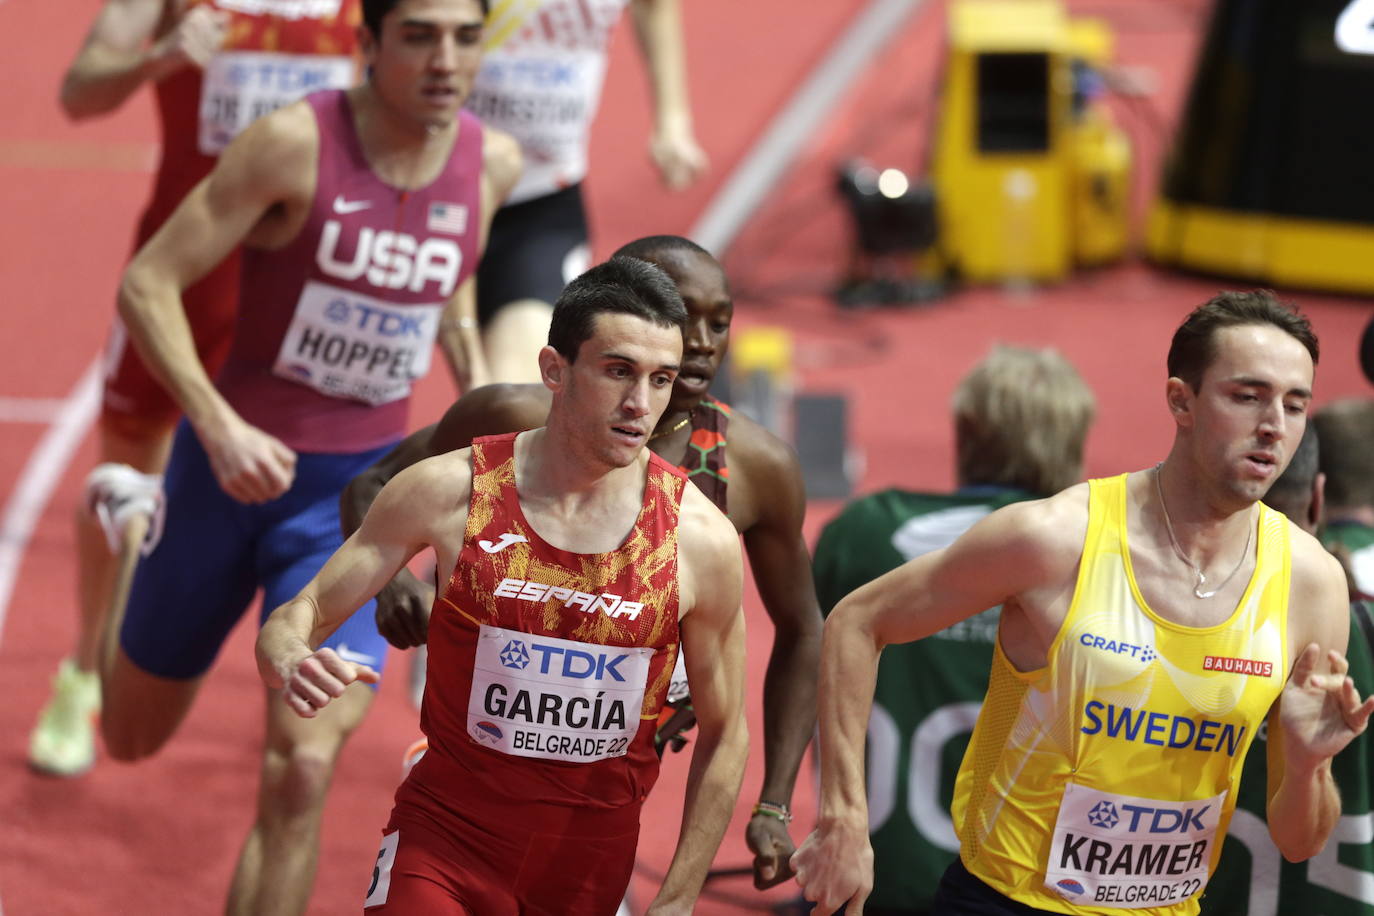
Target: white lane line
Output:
[(767, 162), (30, 410), (40, 477)]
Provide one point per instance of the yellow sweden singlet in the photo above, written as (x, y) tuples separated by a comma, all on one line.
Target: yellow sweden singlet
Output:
[(1105, 780)]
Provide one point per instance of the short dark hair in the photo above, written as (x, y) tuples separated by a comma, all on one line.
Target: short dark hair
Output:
[(1346, 431), (1193, 347), (1291, 493), (374, 11), (621, 286), (651, 245)]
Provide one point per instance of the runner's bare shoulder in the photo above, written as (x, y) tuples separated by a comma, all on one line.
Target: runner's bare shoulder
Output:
[(436, 485), (490, 411), (709, 548), (1043, 537)]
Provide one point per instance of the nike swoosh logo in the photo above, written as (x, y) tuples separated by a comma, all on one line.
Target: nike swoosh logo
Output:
[(356, 658), (350, 206), (505, 541)]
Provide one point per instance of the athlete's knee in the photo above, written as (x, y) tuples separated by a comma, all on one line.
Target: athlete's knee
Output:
[(126, 738), (296, 779), (301, 753), (139, 712)]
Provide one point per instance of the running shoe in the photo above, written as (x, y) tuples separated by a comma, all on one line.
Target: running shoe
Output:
[(63, 741)]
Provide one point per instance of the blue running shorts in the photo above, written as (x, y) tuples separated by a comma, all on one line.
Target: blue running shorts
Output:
[(216, 553)]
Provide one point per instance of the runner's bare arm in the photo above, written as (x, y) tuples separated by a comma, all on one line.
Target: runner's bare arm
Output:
[(461, 340), (713, 650), (1319, 711), (487, 411), (1014, 550), (459, 336), (403, 605), (673, 146), (267, 167), (123, 50), (419, 508), (782, 571)]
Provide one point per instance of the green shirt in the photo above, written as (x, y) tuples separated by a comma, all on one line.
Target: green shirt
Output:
[(1358, 541), (1253, 878), (928, 692)]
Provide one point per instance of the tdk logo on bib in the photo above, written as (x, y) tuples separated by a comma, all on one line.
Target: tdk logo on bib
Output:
[(380, 321), (1128, 852), (345, 344), (1103, 814), (514, 655), (568, 662), (556, 699)]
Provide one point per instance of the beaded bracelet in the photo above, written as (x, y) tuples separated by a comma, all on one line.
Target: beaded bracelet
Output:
[(771, 809)]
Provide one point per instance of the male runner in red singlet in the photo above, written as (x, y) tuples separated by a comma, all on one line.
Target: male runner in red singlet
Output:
[(576, 562), (1150, 623), (362, 215), (215, 65), (745, 470)]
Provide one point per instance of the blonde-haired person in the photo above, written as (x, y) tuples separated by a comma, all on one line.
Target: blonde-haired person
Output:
[(1345, 432), (1021, 417)]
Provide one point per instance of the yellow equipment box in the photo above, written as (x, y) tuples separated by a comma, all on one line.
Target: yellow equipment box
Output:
[(1031, 173)]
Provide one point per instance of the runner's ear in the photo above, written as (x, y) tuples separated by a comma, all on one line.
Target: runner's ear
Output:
[(1179, 395), (552, 368)]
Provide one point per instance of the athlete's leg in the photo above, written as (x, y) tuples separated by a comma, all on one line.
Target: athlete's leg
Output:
[(534, 248), (418, 871), (63, 741), (98, 570), (276, 868), (185, 598), (513, 338), (141, 710), (136, 427)]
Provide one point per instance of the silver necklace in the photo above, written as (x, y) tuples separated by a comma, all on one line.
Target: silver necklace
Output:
[(1201, 579)]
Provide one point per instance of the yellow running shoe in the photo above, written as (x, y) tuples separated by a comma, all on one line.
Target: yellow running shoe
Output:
[(63, 741)]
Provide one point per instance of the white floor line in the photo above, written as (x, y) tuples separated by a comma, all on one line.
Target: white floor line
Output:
[(30, 410), (771, 156), (40, 477)]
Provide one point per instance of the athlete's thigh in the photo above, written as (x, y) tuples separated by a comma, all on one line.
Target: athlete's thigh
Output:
[(357, 639), (418, 872), (575, 875), (189, 592), (304, 536)]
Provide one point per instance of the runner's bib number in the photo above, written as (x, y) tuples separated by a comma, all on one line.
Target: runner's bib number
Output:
[(347, 345), (678, 688), (555, 699), (241, 86), (1129, 853)]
